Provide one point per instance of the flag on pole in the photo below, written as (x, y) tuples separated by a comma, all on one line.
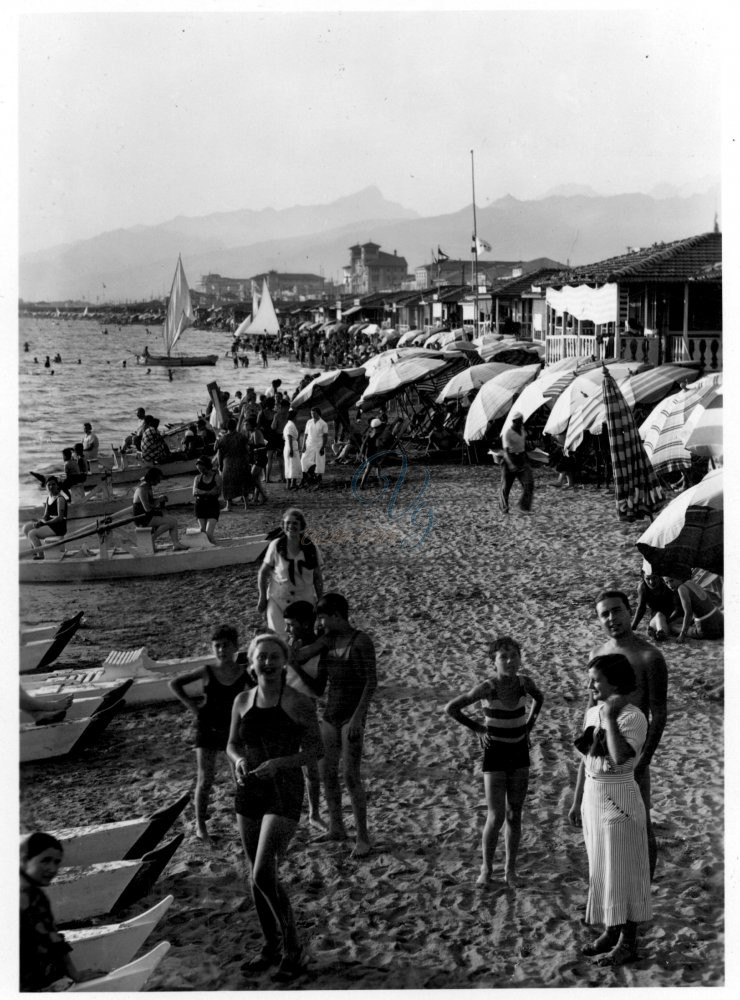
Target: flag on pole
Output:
[(480, 246), (441, 255)]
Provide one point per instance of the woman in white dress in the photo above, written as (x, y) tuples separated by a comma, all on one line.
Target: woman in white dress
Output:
[(607, 802), (290, 571), (291, 453)]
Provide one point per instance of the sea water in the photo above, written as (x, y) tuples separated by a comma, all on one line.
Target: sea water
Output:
[(92, 384)]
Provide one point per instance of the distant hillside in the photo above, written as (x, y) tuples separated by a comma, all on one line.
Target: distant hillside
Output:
[(139, 262)]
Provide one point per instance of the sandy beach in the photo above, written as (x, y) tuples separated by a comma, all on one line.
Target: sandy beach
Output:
[(410, 915)]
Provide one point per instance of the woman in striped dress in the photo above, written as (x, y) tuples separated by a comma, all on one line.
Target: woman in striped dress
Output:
[(607, 802), (504, 738)]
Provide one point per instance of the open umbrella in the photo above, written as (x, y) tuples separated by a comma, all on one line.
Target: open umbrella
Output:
[(513, 352), (393, 355), (702, 434), (469, 381), (408, 337), (579, 390), (391, 379), (332, 391), (688, 532), (636, 487), (663, 429), (492, 402)]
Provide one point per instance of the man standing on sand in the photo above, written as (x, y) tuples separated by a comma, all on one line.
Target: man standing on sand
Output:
[(650, 694), (349, 659), (516, 466)]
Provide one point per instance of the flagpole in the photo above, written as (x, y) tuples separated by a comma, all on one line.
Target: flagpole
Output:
[(475, 245)]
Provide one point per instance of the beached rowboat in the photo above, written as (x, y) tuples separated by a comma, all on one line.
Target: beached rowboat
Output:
[(77, 894), (129, 978), (81, 506), (85, 704), (41, 645), (119, 556), (109, 946), (126, 840), (61, 738)]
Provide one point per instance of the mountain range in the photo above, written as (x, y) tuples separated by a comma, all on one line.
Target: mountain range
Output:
[(572, 223)]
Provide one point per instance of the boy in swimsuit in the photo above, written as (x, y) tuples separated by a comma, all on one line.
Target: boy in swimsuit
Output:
[(222, 681), (349, 658), (504, 738)]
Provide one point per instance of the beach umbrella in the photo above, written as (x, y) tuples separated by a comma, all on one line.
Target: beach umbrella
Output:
[(419, 339), (408, 337), (390, 337), (370, 330), (516, 377), (579, 390), (332, 391), (636, 488), (393, 355), (535, 394), (688, 532), (467, 382), (513, 352), (492, 402), (465, 347), (662, 430), (392, 378), (702, 434)]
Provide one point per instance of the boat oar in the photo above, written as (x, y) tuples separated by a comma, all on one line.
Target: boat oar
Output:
[(105, 524)]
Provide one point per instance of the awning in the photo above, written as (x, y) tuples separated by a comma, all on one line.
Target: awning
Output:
[(351, 311), (599, 305)]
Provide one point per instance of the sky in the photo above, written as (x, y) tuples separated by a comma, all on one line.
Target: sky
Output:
[(131, 118)]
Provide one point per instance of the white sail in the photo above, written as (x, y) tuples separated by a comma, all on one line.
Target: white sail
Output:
[(265, 321), (180, 313), (255, 300)]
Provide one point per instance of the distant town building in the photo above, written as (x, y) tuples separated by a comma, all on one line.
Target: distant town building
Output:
[(283, 285), (460, 272), (373, 270)]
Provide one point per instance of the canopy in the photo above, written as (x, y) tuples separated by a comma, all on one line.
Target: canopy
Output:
[(492, 402), (702, 434), (662, 431), (407, 338), (515, 352), (469, 381), (392, 378), (332, 391), (579, 390)]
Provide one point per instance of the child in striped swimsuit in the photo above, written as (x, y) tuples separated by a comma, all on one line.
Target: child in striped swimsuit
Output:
[(504, 738)]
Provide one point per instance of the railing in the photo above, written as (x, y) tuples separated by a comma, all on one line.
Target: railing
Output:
[(703, 347)]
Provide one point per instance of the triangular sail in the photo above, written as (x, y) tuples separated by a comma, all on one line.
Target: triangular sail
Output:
[(243, 326), (180, 314), (255, 300), (265, 322)]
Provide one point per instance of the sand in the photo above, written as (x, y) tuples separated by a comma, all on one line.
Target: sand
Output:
[(410, 916)]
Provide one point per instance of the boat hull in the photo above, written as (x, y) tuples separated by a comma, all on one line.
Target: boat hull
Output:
[(177, 360), (38, 650), (180, 496), (62, 738), (110, 946), (76, 565), (129, 978)]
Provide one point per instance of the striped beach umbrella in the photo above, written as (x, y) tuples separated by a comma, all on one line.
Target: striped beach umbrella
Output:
[(688, 532), (702, 434), (662, 431), (392, 379), (469, 381), (492, 402), (331, 391), (636, 488), (583, 387)]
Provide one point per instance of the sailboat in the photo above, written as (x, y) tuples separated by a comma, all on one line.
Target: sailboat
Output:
[(180, 315), (264, 318)]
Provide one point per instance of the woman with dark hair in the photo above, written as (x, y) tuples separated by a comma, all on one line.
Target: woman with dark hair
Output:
[(290, 571), (232, 454), (274, 732), (656, 595), (53, 518), (153, 446), (702, 617), (258, 457), (609, 806), (148, 510)]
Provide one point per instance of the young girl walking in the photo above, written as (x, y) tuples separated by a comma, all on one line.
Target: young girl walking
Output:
[(504, 738)]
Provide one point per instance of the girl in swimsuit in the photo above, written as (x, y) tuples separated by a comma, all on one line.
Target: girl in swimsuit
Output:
[(206, 490), (504, 738), (222, 681), (698, 607), (274, 732)]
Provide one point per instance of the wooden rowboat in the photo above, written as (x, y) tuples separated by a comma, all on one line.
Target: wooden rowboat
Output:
[(83, 506), (129, 978), (151, 677), (85, 703), (110, 946), (131, 555), (126, 840), (61, 738), (177, 360), (77, 894), (42, 645)]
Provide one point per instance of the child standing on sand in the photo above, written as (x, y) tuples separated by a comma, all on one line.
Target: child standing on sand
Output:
[(504, 739), (222, 682)]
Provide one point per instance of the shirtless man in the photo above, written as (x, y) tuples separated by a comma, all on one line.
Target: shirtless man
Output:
[(613, 612), (349, 658)]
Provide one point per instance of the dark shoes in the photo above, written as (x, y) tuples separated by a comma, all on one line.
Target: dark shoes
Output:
[(291, 967), (262, 961)]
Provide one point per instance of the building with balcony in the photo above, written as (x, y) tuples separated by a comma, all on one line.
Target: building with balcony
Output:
[(373, 270)]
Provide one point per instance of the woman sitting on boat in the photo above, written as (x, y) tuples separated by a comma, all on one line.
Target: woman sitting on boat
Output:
[(148, 512), (153, 446), (274, 732), (53, 519)]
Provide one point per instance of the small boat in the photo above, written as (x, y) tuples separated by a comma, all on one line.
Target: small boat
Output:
[(85, 704), (77, 894), (131, 978), (151, 677), (117, 556), (84, 505), (43, 644), (126, 840), (179, 316), (58, 739), (110, 946)]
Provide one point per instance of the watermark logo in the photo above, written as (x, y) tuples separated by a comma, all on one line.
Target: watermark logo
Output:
[(420, 513)]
